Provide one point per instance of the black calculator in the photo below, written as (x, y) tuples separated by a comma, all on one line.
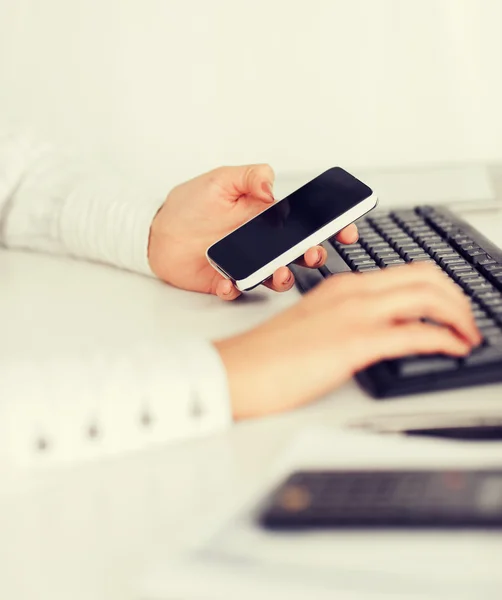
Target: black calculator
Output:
[(386, 498)]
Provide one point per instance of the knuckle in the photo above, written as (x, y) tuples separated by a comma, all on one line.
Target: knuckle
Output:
[(425, 292), (265, 170), (215, 176)]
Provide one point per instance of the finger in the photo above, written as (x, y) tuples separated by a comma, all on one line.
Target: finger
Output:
[(403, 275), (355, 287), (413, 274), (226, 290), (313, 258), (255, 180), (391, 279), (281, 281), (428, 301), (348, 235), (408, 339)]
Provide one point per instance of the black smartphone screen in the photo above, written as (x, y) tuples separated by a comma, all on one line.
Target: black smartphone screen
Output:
[(288, 222)]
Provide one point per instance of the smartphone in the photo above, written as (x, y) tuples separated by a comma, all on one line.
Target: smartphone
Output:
[(287, 229)]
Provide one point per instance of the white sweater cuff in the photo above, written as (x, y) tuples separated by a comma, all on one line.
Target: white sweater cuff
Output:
[(107, 221), (51, 203), (72, 408)]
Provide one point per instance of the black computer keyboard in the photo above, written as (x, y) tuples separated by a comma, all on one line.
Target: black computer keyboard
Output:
[(435, 235)]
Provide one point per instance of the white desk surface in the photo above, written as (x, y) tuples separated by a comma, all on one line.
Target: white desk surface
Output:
[(87, 531)]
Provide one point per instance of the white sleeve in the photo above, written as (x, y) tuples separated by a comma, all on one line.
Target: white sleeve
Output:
[(71, 408), (51, 203), (68, 408)]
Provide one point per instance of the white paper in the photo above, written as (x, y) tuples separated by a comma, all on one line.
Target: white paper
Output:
[(241, 560)]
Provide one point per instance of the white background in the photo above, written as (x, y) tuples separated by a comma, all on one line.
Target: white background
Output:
[(167, 88)]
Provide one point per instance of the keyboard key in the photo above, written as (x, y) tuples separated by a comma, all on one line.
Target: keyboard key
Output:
[(334, 263), (484, 322), (429, 244), (387, 255), (494, 299), (456, 275), (389, 236), (414, 366), (448, 259), (392, 262), (496, 280), (367, 268), (454, 259), (471, 254), (479, 252), (352, 249), (469, 247), (349, 247), (444, 253), (490, 330), (410, 247), (495, 268), (477, 290), (398, 243), (440, 246), (460, 239), (461, 267), (484, 356), (489, 294), (469, 276), (376, 247), (367, 262), (484, 259), (424, 258), (410, 253), (354, 255)]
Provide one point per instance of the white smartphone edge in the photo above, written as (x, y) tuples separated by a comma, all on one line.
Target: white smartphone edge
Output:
[(318, 237)]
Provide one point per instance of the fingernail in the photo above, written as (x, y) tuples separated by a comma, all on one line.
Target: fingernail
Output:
[(227, 289), (288, 278), (319, 257), (266, 186)]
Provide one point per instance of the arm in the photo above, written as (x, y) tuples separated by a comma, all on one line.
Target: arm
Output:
[(88, 408), (51, 204), (178, 390), (66, 408)]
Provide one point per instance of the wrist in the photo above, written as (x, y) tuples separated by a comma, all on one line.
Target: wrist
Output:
[(285, 363), (152, 251), (244, 375), (262, 374)]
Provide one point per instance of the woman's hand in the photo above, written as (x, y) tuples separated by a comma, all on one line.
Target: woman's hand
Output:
[(347, 323), (201, 211)]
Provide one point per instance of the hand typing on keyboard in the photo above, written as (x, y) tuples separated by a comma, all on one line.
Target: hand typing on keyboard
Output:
[(346, 324), (474, 263)]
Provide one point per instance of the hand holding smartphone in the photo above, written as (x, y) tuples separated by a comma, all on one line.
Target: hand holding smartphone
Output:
[(286, 230)]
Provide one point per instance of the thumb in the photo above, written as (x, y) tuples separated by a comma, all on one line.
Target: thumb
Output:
[(256, 180)]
